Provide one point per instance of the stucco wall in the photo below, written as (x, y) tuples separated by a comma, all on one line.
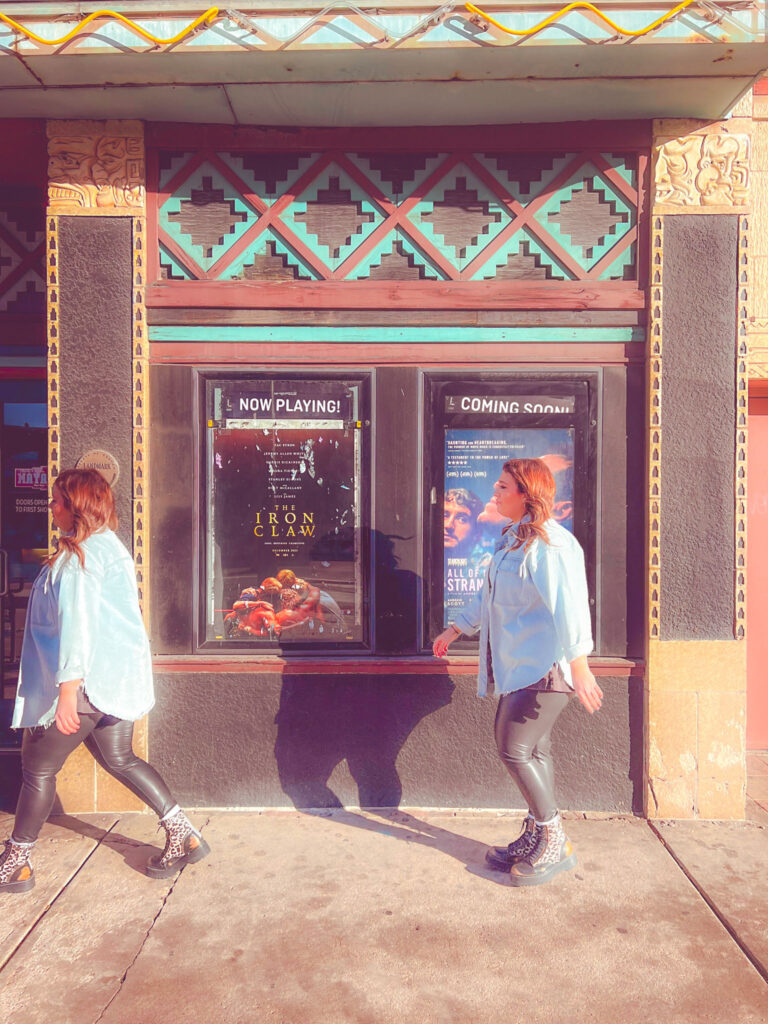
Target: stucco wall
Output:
[(698, 413), (95, 347), (244, 740)]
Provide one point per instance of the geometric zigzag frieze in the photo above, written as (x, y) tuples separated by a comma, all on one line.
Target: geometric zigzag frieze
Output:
[(207, 217), (293, 216), (524, 265), (334, 217), (398, 170), (525, 169), (22, 246), (587, 217), (398, 265), (270, 265), (271, 168), (461, 217)]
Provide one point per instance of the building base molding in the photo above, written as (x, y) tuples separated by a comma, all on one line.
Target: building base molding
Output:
[(84, 787), (695, 712)]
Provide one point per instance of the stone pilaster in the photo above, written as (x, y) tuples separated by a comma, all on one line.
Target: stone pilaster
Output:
[(97, 352), (695, 687)]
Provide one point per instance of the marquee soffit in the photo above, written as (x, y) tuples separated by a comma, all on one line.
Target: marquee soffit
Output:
[(395, 63)]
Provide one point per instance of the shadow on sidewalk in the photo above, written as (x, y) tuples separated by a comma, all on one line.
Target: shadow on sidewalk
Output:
[(401, 825), (134, 853)]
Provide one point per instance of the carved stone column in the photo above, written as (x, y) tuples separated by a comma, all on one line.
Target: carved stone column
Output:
[(97, 353), (695, 688)]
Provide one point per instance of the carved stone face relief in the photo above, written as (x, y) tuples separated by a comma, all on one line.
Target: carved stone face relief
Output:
[(703, 170), (95, 165)]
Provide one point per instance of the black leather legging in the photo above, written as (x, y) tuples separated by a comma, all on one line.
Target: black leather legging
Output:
[(44, 751), (524, 723)]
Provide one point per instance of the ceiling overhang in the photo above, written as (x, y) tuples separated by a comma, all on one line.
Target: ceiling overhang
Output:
[(398, 63)]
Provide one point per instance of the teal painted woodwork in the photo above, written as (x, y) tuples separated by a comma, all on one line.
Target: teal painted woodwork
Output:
[(268, 246), (468, 199), (206, 216), (522, 248), (396, 245), (620, 216), (173, 268), (399, 335), (169, 164), (289, 216), (333, 216)]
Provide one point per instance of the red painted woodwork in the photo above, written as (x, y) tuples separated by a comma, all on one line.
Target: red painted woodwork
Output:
[(267, 214), (395, 318), (298, 353), (610, 136), (395, 214), (23, 329), (24, 153), (643, 193), (311, 295), (22, 372), (757, 576), (761, 88), (618, 668)]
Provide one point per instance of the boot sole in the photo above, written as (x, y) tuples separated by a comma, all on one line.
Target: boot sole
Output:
[(201, 850), (23, 886), (499, 863), (546, 876)]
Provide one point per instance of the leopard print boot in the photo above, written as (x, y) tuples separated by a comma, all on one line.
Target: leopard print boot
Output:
[(183, 845), (16, 872), (501, 858), (552, 853)]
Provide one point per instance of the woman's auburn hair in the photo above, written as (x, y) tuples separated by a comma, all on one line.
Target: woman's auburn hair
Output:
[(89, 498), (536, 483)]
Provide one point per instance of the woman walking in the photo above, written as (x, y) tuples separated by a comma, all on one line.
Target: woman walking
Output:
[(86, 677), (535, 635)]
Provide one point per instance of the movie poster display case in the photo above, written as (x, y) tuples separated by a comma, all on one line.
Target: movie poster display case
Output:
[(285, 512), (478, 422), (351, 511)]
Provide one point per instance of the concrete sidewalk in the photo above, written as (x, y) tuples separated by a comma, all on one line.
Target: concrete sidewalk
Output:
[(359, 918)]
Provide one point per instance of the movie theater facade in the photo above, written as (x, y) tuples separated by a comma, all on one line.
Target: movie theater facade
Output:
[(301, 279)]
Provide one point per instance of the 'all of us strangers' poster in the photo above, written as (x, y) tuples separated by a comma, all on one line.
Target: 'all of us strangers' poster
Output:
[(471, 524), (284, 459)]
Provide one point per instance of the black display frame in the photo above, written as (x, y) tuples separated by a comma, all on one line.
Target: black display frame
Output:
[(205, 381), (396, 491), (586, 422)]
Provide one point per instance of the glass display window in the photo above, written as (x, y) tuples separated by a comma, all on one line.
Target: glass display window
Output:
[(285, 512), (478, 423)]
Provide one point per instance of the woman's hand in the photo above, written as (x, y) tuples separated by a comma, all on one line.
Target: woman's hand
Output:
[(444, 641), (67, 718), (585, 685)]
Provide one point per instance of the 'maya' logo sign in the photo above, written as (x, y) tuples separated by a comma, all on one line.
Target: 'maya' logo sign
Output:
[(35, 477)]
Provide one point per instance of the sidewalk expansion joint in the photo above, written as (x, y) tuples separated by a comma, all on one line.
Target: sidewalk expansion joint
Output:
[(721, 917), (4, 963), (139, 951)]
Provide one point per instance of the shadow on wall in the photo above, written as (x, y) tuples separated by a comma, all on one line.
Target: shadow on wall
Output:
[(363, 720)]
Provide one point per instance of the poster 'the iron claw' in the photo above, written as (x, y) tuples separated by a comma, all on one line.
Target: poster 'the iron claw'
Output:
[(285, 465)]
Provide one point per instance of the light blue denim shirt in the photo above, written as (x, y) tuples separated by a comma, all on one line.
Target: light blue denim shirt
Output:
[(85, 624), (533, 609)]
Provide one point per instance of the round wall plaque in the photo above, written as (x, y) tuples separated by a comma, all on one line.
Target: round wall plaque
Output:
[(102, 461)]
